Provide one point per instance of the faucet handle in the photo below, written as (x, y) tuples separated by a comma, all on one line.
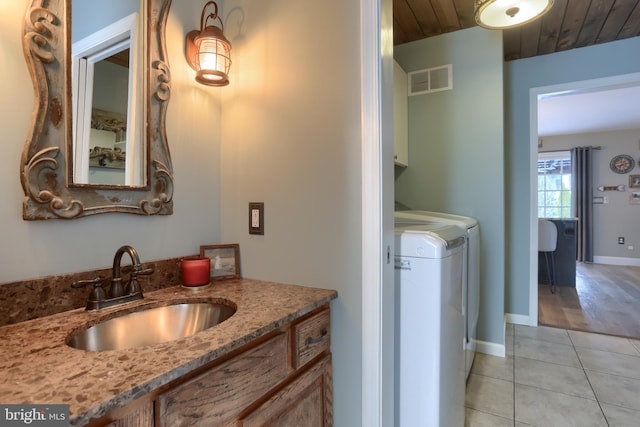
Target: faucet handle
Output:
[(133, 286), (139, 271), (97, 293)]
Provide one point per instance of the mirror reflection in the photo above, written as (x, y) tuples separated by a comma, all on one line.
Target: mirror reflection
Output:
[(112, 79), (107, 90)]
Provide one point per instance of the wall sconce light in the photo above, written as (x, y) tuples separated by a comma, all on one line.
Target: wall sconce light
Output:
[(208, 50), (501, 14)]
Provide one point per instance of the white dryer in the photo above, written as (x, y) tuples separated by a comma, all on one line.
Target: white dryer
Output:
[(471, 272), (430, 379)]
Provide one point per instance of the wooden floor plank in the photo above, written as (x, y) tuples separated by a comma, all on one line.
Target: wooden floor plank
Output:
[(605, 300)]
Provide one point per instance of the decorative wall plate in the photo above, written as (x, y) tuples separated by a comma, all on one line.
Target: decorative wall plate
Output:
[(622, 163)]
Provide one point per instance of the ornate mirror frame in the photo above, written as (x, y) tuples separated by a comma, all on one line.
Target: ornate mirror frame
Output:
[(45, 169)]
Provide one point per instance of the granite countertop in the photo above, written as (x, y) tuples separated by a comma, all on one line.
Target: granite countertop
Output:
[(37, 367)]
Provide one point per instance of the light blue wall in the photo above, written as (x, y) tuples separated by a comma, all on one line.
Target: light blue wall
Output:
[(291, 138), (605, 60), (456, 150), (41, 248)]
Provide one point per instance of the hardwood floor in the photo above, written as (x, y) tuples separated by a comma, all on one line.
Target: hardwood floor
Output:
[(606, 299)]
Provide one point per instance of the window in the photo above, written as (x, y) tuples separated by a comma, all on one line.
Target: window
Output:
[(554, 184)]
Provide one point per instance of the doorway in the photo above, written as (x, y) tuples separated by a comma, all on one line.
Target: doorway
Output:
[(584, 271)]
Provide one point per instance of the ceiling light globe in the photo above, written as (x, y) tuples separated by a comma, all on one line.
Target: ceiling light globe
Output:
[(502, 14)]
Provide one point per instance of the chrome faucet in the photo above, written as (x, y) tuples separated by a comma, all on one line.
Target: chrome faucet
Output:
[(117, 293)]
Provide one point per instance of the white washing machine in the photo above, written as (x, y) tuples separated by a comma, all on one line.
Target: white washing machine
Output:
[(471, 272), (430, 379)]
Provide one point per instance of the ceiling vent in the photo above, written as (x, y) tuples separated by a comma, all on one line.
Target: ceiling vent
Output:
[(430, 80)]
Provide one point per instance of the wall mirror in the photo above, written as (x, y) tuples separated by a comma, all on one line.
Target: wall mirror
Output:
[(97, 142)]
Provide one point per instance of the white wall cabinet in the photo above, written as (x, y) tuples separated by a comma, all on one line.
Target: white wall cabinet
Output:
[(400, 116)]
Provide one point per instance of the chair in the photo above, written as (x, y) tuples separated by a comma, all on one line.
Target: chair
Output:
[(547, 243)]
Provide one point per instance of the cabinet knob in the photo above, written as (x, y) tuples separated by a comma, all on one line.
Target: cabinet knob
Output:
[(323, 337)]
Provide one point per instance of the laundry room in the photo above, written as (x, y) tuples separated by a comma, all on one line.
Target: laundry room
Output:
[(467, 152), (456, 145)]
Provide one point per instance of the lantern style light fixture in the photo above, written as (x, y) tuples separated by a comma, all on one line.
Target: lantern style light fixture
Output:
[(502, 14), (208, 50)]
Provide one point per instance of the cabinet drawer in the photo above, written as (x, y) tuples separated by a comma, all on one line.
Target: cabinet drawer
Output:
[(218, 395), (312, 337)]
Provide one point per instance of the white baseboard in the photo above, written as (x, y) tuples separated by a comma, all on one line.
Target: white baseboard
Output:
[(491, 348), (612, 260), (500, 350), (518, 319)]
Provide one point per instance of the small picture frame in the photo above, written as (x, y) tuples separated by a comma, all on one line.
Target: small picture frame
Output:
[(225, 260), (634, 181), (634, 198)]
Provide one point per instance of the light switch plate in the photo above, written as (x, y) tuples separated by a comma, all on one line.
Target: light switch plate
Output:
[(256, 218)]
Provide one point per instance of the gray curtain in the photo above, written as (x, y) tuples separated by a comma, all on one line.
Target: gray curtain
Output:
[(582, 193)]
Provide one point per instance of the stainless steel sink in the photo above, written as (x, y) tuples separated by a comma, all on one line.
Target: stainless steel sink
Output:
[(151, 326)]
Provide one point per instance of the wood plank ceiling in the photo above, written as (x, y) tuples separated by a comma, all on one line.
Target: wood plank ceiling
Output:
[(569, 24)]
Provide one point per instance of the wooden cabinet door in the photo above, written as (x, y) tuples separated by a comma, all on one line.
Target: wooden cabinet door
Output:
[(139, 413), (142, 417), (220, 394), (304, 402)]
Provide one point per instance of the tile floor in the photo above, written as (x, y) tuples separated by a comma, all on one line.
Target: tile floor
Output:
[(556, 378)]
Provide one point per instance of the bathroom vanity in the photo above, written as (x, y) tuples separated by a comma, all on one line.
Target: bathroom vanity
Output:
[(270, 360)]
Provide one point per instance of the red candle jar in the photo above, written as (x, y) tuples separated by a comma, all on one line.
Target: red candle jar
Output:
[(196, 271)]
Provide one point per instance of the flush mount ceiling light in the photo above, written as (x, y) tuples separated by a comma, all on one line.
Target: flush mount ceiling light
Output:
[(501, 14), (208, 50)]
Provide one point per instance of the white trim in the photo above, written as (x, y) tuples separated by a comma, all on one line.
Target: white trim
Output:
[(536, 93), (372, 404), (545, 155), (519, 319), (491, 348), (106, 37), (533, 199), (613, 260)]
